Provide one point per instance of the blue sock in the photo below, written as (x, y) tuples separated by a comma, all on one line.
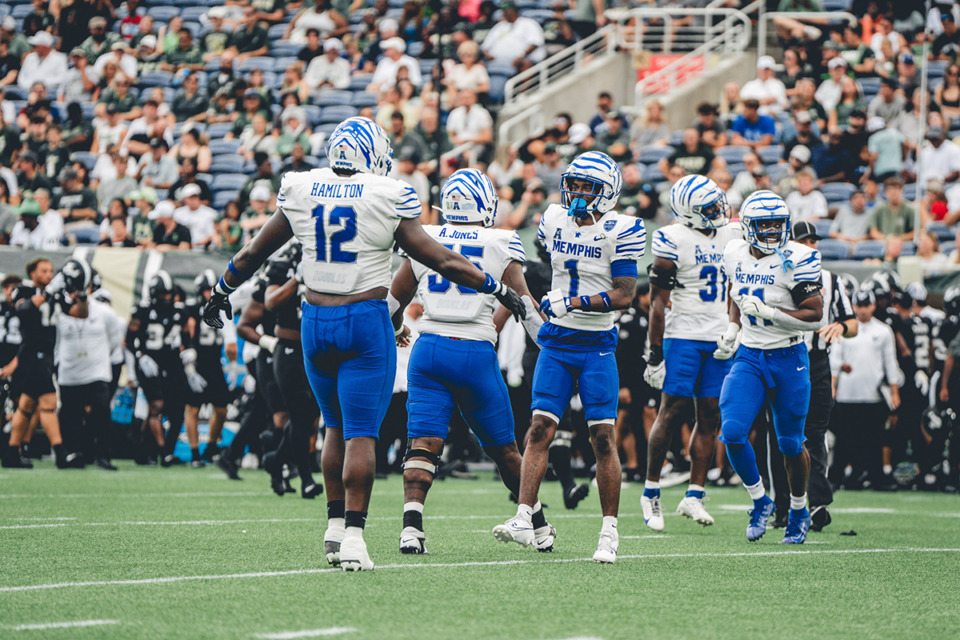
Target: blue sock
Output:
[(744, 462), (696, 494), (651, 493)]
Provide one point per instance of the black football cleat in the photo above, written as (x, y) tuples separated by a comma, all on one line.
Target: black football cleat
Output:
[(820, 517), (228, 466), (104, 464), (573, 497), (13, 460), (311, 491)]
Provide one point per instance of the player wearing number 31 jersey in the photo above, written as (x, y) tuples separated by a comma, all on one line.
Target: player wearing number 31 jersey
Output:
[(593, 253), (348, 218)]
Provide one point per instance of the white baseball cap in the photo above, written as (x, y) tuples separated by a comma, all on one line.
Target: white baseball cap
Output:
[(190, 190), (766, 62), (260, 193), (397, 44), (579, 132), (332, 44), (42, 39), (164, 209), (876, 123)]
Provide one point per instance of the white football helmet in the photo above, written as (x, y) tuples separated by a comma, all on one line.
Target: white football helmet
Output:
[(603, 172), (360, 144), (698, 202), (766, 221), (469, 196)]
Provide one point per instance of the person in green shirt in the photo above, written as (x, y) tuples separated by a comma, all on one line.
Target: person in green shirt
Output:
[(250, 39), (118, 95), (186, 55), (215, 41), (265, 177), (258, 211), (893, 218), (231, 230), (99, 41), (251, 107), (141, 226), (19, 46), (294, 121)]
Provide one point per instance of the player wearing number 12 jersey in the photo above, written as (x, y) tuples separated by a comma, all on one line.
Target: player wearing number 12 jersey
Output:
[(348, 217), (593, 253), (687, 273)]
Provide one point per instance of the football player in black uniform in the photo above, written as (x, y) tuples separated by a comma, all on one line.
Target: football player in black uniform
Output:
[(37, 306), (283, 298), (209, 384), (947, 341), (10, 340), (154, 337), (638, 400)]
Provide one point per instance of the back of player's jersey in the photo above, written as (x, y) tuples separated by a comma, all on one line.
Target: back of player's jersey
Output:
[(943, 334), (583, 257), (346, 225), (458, 312), (698, 304), (208, 341), (38, 325), (922, 342)]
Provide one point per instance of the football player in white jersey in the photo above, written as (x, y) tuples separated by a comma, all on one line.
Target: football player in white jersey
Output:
[(776, 286), (348, 217), (593, 253), (687, 275), (454, 362)]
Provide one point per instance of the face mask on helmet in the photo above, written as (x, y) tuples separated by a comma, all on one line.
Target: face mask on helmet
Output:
[(769, 234), (713, 214), (579, 195), (161, 289)]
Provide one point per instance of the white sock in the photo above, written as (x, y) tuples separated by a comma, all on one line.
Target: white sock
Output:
[(756, 491), (694, 487), (337, 523), (413, 506), (609, 522), (650, 484), (798, 502), (525, 511), (354, 532), (536, 507), (887, 469)]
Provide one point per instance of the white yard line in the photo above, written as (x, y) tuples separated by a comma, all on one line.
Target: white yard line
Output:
[(64, 625), (165, 523), (443, 565), (306, 633)]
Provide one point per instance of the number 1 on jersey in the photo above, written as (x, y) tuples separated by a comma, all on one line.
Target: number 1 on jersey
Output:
[(571, 267), (346, 218), (759, 294)]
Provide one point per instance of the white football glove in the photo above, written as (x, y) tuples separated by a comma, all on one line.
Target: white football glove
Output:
[(756, 308), (268, 342), (554, 304), (194, 380), (233, 375), (149, 367), (533, 321), (922, 381), (654, 374), (728, 342)]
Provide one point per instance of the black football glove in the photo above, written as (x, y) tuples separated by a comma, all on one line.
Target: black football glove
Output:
[(511, 300), (211, 311)]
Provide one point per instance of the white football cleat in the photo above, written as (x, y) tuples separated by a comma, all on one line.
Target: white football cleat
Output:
[(353, 554), (607, 548), (693, 508), (411, 541), (544, 537), (516, 529), (332, 538), (652, 512)]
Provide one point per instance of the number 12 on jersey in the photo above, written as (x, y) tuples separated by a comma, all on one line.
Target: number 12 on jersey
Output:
[(346, 219)]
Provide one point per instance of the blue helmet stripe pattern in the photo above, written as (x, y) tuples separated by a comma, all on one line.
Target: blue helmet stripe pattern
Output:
[(469, 196), (359, 144), (698, 202), (761, 206), (600, 169)]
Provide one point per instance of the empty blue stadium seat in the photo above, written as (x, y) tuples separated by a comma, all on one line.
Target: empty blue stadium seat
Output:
[(942, 231), (870, 86), (837, 191), (228, 181), (155, 78), (16, 92), (277, 31), (227, 164), (219, 129), (651, 154), (823, 227), (363, 99), (359, 81), (88, 159), (770, 154), (281, 63), (869, 249), (500, 69), (221, 146), (497, 92), (163, 13), (284, 48), (193, 14), (332, 98), (264, 63), (732, 153), (222, 198), (834, 249), (337, 114), (910, 191), (21, 11), (313, 113), (909, 249)]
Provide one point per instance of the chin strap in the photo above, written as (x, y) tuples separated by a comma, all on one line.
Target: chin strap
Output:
[(785, 262)]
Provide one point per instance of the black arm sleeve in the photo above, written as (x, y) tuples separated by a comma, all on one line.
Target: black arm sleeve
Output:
[(665, 279), (804, 291)]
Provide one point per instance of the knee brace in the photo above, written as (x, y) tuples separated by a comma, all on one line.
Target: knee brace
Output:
[(562, 439), (790, 446), (431, 464)]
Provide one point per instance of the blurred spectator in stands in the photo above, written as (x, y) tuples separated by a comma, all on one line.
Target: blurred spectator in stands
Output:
[(883, 32), (198, 218), (256, 81), (558, 32), (43, 64), (472, 125), (752, 129), (514, 40), (469, 75), (264, 176), (145, 30), (834, 163), (99, 41), (119, 96), (250, 39), (830, 91), (375, 34), (744, 183), (148, 58), (250, 107), (258, 212), (186, 55), (29, 176), (411, 21), (854, 139), (650, 128), (270, 11), (806, 203), (665, 213), (550, 167), (579, 140), (858, 54), (118, 235), (219, 109), (394, 59), (946, 46), (906, 73), (947, 94), (708, 126), (168, 234), (730, 104), (27, 232), (928, 253), (852, 222), (532, 204), (613, 138), (229, 228), (9, 65), (391, 101), (80, 80), (329, 70), (887, 150), (157, 169), (939, 158), (297, 160), (293, 82), (405, 169), (794, 68), (217, 39), (19, 46), (148, 125), (604, 106), (851, 101), (110, 132), (8, 215), (797, 161), (436, 140), (140, 223), (908, 122), (314, 48), (629, 202), (257, 138), (294, 131), (322, 17), (119, 186), (804, 136), (118, 55), (190, 102), (77, 204), (188, 175), (933, 205), (893, 218), (110, 73), (887, 104), (766, 88), (57, 155), (77, 131), (691, 154), (401, 139), (35, 138), (224, 78), (49, 216)]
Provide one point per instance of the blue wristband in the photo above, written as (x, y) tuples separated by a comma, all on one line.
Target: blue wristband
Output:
[(607, 305), (585, 303), (232, 269), (224, 287), (489, 285)]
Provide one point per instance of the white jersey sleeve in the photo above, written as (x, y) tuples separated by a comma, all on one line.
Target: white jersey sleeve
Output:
[(698, 309), (586, 259), (453, 311), (346, 225), (767, 279)]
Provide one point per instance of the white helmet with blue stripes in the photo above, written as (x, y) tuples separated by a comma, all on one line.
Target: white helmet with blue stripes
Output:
[(698, 202), (599, 169), (468, 196), (360, 144), (766, 221)]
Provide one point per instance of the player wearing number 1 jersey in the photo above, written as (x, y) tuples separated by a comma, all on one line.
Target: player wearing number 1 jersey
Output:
[(776, 286), (687, 274), (593, 253), (347, 218)]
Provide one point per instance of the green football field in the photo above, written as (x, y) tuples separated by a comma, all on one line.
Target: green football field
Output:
[(185, 553)]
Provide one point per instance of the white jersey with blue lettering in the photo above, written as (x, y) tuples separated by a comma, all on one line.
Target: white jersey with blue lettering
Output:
[(698, 304), (582, 258), (453, 311), (766, 279), (346, 226)]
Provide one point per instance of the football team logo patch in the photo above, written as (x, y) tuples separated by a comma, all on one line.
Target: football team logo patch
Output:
[(609, 225)]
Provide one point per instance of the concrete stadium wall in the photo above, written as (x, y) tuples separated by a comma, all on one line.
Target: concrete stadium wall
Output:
[(681, 106)]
